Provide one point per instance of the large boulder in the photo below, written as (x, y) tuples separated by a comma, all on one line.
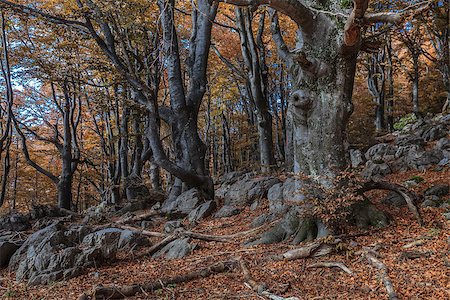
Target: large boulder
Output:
[(55, 253), (202, 211), (373, 170), (184, 203), (378, 152), (247, 189), (176, 249)]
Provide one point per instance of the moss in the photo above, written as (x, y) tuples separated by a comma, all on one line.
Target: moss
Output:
[(416, 179), (405, 120)]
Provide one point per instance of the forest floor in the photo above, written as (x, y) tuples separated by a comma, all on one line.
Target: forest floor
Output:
[(426, 277)]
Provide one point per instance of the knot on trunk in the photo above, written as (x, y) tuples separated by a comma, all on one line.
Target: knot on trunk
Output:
[(302, 100)]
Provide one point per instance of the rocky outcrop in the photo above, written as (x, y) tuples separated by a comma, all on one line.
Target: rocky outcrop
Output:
[(411, 149), (57, 253)]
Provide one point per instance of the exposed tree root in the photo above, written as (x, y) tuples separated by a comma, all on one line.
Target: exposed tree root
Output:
[(402, 191), (318, 248), (259, 288), (383, 273), (331, 264), (121, 292)]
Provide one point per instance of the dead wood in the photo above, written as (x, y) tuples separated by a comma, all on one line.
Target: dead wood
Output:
[(383, 273), (401, 190), (138, 218), (121, 292), (158, 246), (316, 249), (331, 264), (259, 288)]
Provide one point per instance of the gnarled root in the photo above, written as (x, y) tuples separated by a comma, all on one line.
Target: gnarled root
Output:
[(301, 229), (409, 197)]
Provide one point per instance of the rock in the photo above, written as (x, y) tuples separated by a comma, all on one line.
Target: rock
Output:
[(184, 203), (374, 170), (356, 158), (110, 240), (262, 219), (438, 190), (170, 226), (443, 144), (55, 253), (254, 205), (176, 249), (379, 151), (434, 133), (410, 139), (227, 211), (394, 199), (446, 215), (7, 249), (140, 203), (202, 211), (280, 231), (15, 222), (421, 160), (246, 190), (431, 201)]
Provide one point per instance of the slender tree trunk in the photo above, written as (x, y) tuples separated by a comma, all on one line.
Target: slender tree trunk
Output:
[(415, 86)]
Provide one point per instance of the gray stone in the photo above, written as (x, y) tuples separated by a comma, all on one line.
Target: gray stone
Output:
[(373, 169), (356, 158), (202, 211), (176, 249), (170, 226), (394, 199), (254, 205), (227, 211), (443, 144), (434, 133), (446, 215), (184, 203), (378, 151), (246, 190), (14, 222), (55, 253), (431, 201), (439, 190)]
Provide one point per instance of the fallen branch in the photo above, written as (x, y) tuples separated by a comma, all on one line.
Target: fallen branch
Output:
[(315, 249), (331, 264), (383, 275), (402, 191), (139, 218), (121, 292), (261, 288), (155, 248)]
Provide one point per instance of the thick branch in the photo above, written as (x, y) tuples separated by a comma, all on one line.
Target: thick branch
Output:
[(295, 9)]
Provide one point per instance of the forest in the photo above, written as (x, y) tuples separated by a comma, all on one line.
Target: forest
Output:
[(224, 149)]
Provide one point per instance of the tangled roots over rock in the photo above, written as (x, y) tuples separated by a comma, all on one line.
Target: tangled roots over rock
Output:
[(363, 214), (301, 229)]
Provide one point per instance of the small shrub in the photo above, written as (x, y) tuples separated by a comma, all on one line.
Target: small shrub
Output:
[(405, 120)]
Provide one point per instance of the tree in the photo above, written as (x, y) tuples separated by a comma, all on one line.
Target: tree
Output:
[(253, 52), (6, 113)]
